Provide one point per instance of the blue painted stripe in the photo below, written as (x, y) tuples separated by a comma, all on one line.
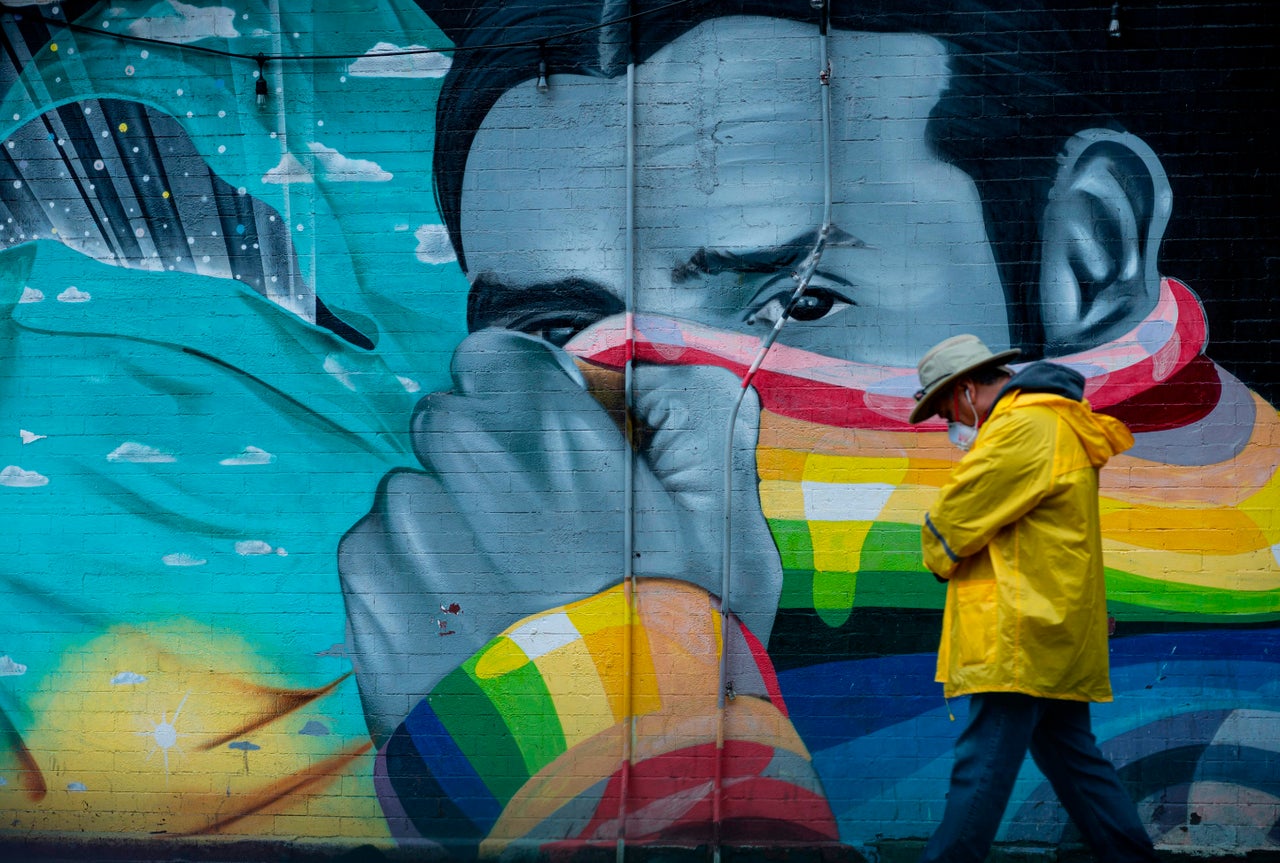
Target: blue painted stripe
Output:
[(450, 767), (951, 554)]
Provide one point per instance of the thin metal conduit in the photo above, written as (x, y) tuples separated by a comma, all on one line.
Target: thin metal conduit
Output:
[(628, 530), (802, 276)]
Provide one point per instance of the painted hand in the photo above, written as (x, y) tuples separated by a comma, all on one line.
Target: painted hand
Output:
[(521, 507)]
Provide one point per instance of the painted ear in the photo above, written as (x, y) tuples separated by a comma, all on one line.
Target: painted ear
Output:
[(1101, 234)]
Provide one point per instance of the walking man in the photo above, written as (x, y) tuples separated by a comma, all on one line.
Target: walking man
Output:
[(1015, 534)]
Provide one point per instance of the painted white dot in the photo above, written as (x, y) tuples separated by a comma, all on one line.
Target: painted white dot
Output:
[(17, 184), (205, 258), (129, 70), (222, 114), (138, 232), (179, 91), (222, 148), (301, 228), (242, 191), (144, 54), (319, 122)]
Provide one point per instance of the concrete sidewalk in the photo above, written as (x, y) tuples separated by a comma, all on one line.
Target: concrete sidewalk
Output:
[(165, 849)]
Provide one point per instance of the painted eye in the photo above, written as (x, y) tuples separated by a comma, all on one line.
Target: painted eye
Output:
[(816, 304), (557, 330)]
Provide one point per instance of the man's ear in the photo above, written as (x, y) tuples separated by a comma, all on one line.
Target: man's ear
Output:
[(1100, 239)]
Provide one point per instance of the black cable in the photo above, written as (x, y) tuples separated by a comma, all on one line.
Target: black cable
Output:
[(145, 40)]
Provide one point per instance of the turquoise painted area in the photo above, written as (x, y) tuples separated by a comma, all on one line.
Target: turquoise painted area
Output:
[(201, 454), (201, 450), (359, 202)]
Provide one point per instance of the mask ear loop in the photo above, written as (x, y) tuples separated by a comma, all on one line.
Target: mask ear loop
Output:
[(977, 420)]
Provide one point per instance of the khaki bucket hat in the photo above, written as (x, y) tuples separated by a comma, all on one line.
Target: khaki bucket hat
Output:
[(947, 362)]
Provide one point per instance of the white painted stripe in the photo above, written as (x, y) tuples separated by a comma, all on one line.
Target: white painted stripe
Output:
[(838, 501)]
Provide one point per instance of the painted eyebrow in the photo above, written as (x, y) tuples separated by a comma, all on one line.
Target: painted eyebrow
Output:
[(710, 262), (491, 303)]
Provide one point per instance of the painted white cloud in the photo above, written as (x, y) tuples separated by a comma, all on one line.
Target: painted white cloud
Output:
[(9, 668), (183, 559), (30, 437), (423, 63), (290, 170), (329, 164), (433, 245), (190, 24), (409, 384), (345, 376), (31, 295), (250, 455), (344, 169), (139, 454), (74, 295), (127, 678), (255, 547), (15, 477)]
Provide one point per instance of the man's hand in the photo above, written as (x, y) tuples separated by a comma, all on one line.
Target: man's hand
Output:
[(521, 507)]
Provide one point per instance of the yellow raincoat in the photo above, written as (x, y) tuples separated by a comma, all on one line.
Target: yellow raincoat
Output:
[(1016, 534)]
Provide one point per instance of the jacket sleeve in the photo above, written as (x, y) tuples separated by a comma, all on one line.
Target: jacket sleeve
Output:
[(1007, 473)]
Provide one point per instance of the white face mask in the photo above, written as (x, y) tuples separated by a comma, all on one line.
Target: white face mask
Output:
[(960, 434)]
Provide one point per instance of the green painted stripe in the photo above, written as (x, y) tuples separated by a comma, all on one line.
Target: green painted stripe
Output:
[(794, 543), (1154, 595), (522, 699), (481, 732)]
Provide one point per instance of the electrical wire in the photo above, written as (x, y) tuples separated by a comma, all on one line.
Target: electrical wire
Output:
[(304, 58), (802, 276)]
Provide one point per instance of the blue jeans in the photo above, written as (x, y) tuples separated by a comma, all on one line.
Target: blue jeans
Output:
[(1002, 727)]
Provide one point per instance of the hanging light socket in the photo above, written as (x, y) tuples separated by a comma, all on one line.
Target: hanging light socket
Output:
[(542, 84), (1114, 33), (260, 88)]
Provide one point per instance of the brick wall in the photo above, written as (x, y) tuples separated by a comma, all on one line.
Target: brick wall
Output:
[(325, 472)]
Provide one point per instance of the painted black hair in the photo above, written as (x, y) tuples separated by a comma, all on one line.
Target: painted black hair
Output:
[(1021, 86)]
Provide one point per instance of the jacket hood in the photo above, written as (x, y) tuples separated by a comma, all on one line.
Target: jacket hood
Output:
[(1045, 377), (1062, 389)]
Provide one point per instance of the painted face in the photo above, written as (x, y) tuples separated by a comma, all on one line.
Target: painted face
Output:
[(729, 196)]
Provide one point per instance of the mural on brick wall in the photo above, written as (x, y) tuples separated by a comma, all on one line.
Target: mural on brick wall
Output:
[(354, 358)]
